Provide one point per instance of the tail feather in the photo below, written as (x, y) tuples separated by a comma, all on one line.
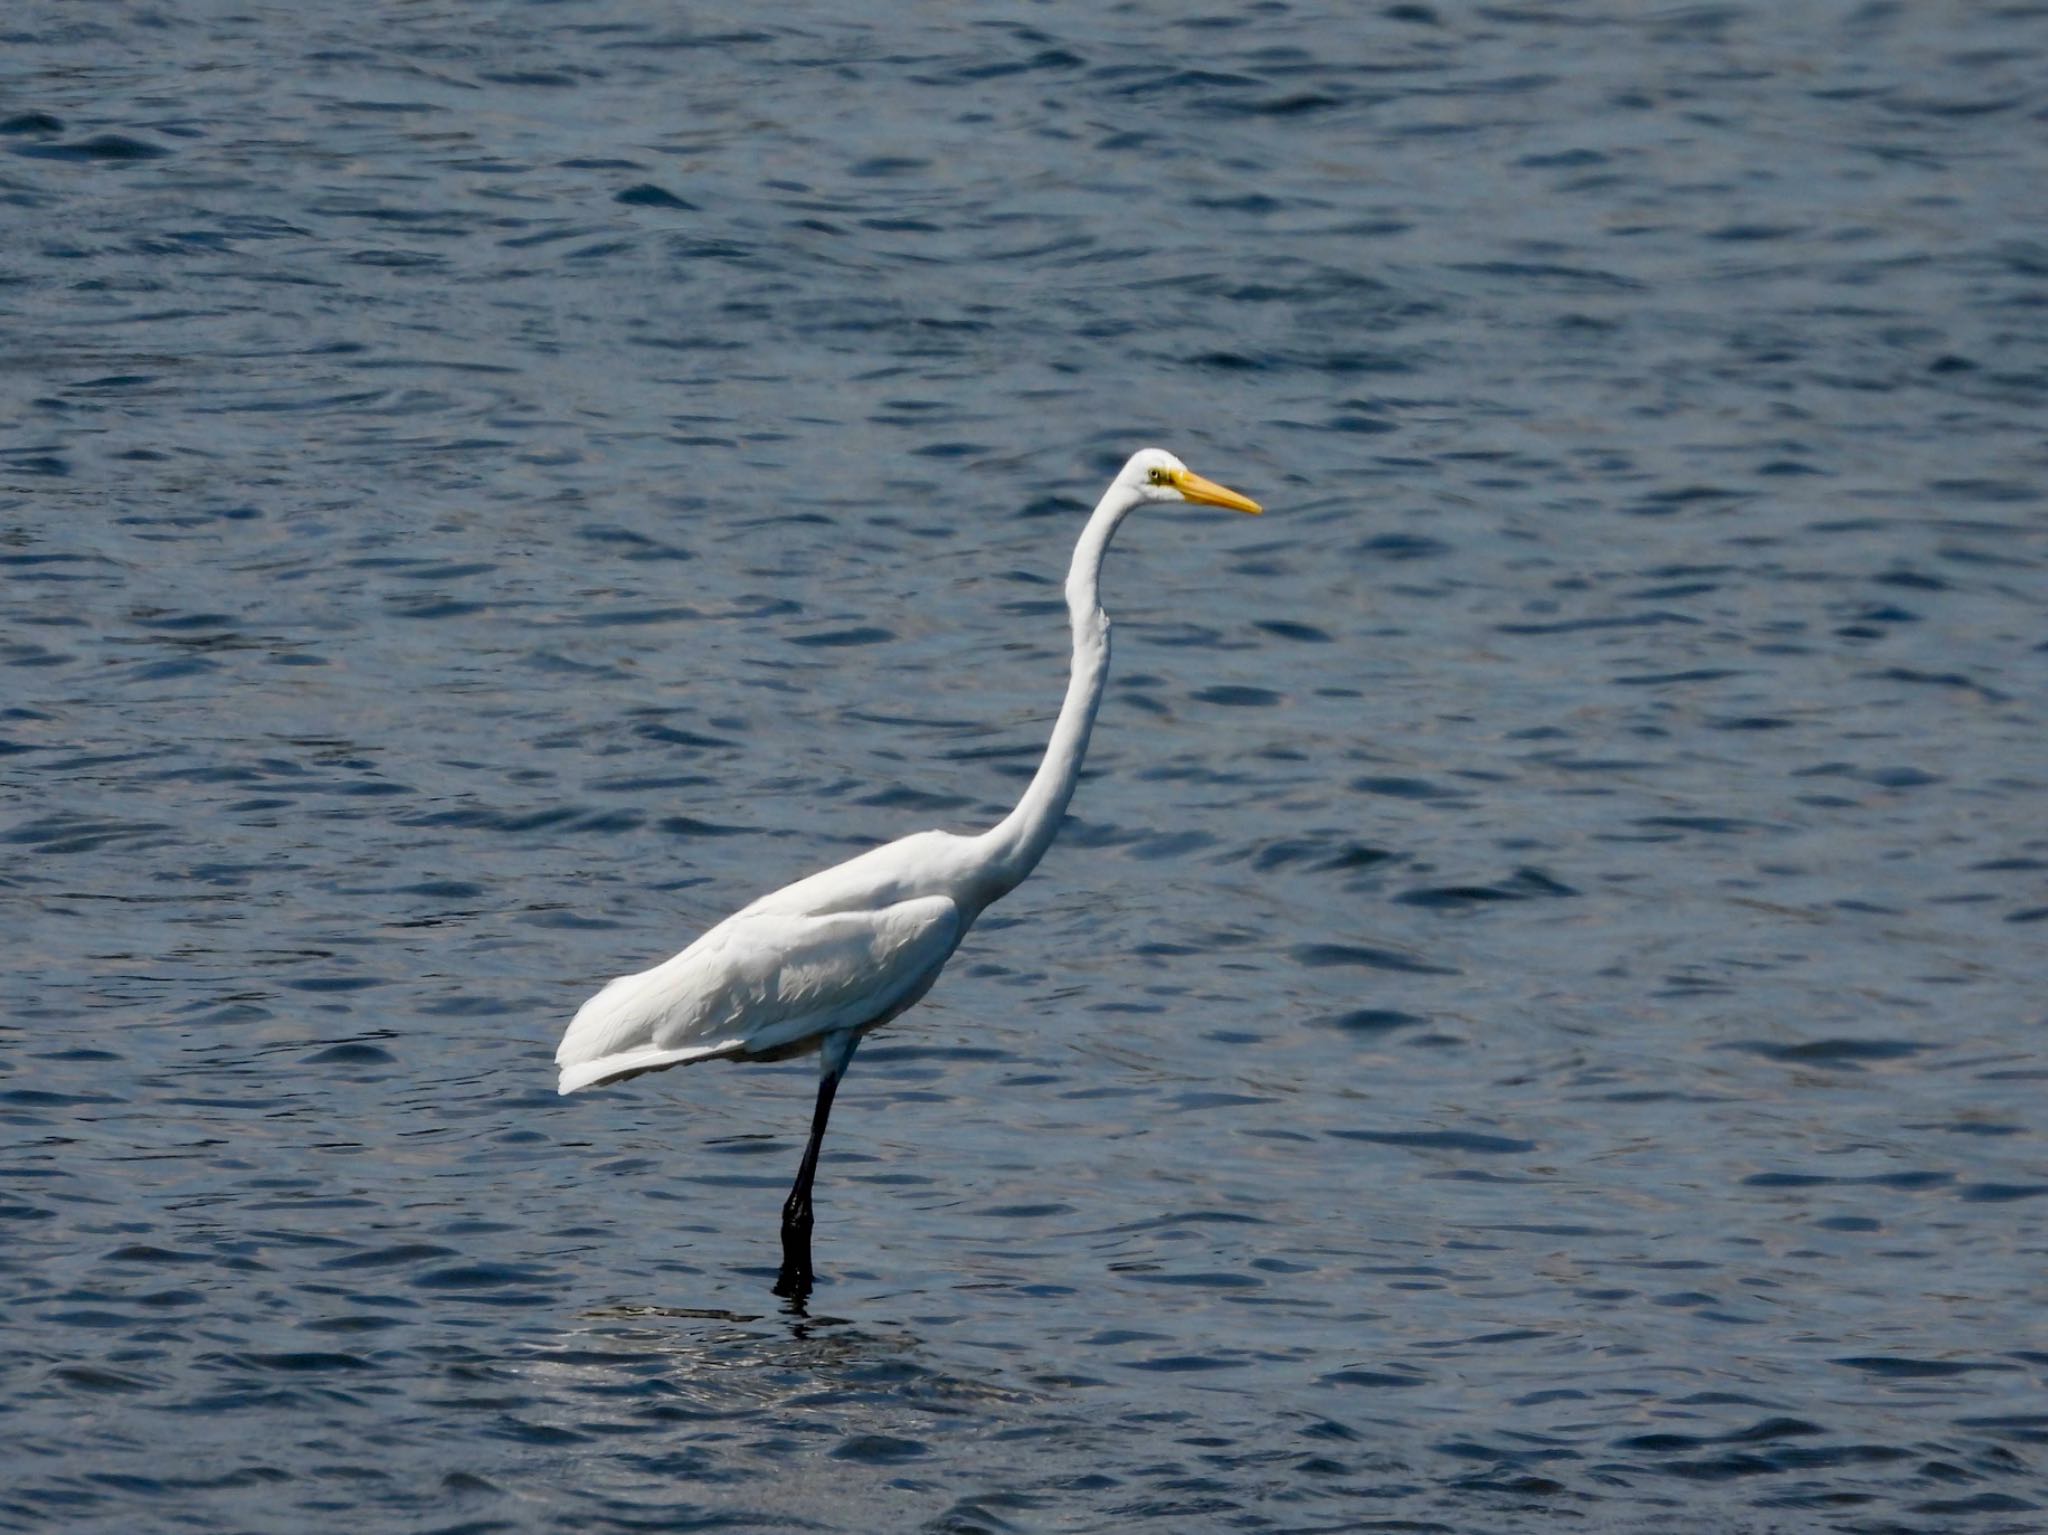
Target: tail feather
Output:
[(615, 1036), (606, 1069)]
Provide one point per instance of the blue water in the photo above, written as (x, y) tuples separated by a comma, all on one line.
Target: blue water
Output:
[(1535, 1021)]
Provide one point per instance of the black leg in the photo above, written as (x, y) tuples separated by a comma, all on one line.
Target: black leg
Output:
[(796, 1278)]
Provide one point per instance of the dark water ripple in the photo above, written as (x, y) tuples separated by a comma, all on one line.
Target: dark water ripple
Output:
[(1536, 1018)]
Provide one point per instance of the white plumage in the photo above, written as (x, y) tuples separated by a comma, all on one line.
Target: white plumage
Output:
[(816, 964), (761, 985)]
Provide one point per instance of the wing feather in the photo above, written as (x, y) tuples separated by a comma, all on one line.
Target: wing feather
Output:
[(761, 983)]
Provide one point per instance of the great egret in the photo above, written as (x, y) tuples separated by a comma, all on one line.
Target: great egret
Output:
[(818, 963)]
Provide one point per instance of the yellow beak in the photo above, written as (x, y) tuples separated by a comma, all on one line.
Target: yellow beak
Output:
[(1209, 493)]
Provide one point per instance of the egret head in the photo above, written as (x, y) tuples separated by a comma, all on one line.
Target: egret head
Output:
[(1156, 475)]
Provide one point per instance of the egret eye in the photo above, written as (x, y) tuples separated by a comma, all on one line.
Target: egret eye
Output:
[(1157, 476)]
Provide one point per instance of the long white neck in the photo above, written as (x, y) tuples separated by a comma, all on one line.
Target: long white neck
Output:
[(1012, 849)]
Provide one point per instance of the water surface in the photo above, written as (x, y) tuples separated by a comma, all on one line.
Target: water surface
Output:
[(1535, 1018)]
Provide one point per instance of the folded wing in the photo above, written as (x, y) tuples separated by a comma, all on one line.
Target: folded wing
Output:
[(760, 985)]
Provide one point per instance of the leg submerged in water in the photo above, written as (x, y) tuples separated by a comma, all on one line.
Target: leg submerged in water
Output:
[(797, 1277)]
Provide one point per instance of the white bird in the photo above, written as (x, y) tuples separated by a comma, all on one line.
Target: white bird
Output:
[(817, 964)]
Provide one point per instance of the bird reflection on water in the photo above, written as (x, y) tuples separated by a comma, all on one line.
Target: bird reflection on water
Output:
[(877, 1382)]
